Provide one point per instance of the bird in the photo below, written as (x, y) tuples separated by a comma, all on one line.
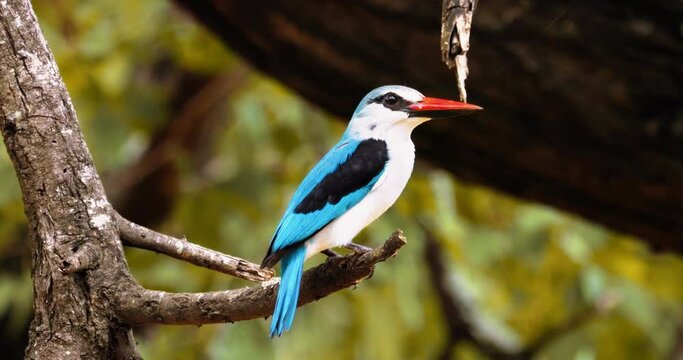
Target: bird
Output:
[(351, 186)]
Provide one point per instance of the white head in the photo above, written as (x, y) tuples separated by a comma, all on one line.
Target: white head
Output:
[(395, 110)]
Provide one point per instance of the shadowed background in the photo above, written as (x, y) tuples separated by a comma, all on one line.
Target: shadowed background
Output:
[(193, 141)]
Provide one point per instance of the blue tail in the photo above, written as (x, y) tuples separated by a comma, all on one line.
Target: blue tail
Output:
[(288, 293)]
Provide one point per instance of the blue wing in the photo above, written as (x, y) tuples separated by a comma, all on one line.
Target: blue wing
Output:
[(351, 164)]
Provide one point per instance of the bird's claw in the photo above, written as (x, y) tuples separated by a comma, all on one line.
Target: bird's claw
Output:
[(330, 253), (357, 248)]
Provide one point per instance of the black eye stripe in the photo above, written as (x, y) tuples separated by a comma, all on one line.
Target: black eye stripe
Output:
[(391, 101)]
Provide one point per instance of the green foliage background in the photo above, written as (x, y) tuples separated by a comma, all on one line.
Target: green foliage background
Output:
[(523, 269)]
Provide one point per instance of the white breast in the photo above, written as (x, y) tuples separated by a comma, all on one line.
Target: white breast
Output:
[(385, 192)]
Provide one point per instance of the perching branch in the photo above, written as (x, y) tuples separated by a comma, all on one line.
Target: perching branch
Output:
[(142, 306), (141, 237), (456, 23)]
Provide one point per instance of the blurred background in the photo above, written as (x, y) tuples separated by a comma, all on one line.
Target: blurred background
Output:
[(190, 140)]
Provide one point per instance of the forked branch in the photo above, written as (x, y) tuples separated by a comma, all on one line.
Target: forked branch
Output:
[(141, 306)]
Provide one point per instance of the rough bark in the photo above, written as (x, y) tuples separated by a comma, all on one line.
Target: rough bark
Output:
[(456, 26), (63, 197), (582, 98), (85, 300)]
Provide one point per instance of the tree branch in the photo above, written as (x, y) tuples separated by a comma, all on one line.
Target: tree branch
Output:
[(134, 235), (141, 306)]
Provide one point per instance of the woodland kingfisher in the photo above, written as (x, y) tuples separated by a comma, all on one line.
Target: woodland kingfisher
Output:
[(351, 186)]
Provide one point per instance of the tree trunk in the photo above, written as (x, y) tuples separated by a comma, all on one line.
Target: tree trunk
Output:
[(70, 219), (582, 98)]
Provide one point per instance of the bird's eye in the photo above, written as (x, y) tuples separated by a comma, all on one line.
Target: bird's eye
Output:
[(390, 99)]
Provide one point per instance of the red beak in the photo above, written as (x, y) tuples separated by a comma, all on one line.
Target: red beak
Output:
[(437, 105)]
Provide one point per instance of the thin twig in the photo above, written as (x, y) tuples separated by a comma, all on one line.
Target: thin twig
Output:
[(141, 237), (141, 306)]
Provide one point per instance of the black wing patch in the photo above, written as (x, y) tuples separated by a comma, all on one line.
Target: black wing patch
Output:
[(366, 162)]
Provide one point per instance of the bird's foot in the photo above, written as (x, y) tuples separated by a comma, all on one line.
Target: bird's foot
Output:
[(331, 253), (357, 248)]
